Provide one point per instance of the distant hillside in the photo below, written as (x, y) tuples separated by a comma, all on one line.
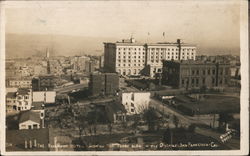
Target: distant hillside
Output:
[(19, 45)]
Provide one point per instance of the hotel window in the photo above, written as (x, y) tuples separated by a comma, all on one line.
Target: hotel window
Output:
[(135, 48), (168, 49), (129, 65), (176, 53), (124, 48), (124, 65), (124, 56), (134, 64), (176, 57), (128, 48), (124, 60), (139, 48), (139, 60), (119, 48), (187, 49), (172, 53), (221, 72), (142, 60), (172, 49), (213, 71), (128, 56), (204, 80), (197, 72), (193, 72), (118, 64), (139, 57), (192, 81), (208, 71), (197, 81), (182, 53), (138, 64), (168, 53), (204, 72), (182, 82), (213, 81)]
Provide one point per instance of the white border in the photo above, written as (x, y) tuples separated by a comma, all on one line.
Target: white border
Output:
[(244, 148)]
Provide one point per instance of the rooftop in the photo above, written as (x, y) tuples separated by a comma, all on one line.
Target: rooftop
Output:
[(194, 62), (115, 107), (11, 95), (29, 115)]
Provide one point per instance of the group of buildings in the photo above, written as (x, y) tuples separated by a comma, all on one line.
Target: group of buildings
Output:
[(176, 63), (132, 58), (32, 83)]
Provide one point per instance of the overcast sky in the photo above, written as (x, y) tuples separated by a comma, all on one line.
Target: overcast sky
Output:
[(201, 22)]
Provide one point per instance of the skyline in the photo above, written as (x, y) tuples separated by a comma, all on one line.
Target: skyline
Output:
[(208, 24)]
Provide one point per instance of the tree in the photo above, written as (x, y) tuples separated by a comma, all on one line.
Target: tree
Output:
[(175, 121), (167, 136), (151, 118), (224, 118), (110, 127)]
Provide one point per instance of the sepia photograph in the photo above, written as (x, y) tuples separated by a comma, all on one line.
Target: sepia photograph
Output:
[(134, 77)]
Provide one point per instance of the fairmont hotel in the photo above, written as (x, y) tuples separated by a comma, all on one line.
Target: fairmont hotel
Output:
[(132, 58)]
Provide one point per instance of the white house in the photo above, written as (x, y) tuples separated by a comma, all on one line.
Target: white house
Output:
[(18, 101), (135, 102), (30, 120)]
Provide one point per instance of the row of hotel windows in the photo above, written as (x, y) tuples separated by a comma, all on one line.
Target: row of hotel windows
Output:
[(176, 57), (129, 71), (197, 72), (132, 57), (156, 57), (157, 49), (156, 53), (152, 53), (129, 65), (196, 81), (131, 61), (169, 49), (131, 48)]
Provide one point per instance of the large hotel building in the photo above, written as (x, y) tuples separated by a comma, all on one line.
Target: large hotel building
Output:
[(132, 58)]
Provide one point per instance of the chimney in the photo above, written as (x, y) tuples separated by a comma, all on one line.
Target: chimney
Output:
[(179, 46)]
